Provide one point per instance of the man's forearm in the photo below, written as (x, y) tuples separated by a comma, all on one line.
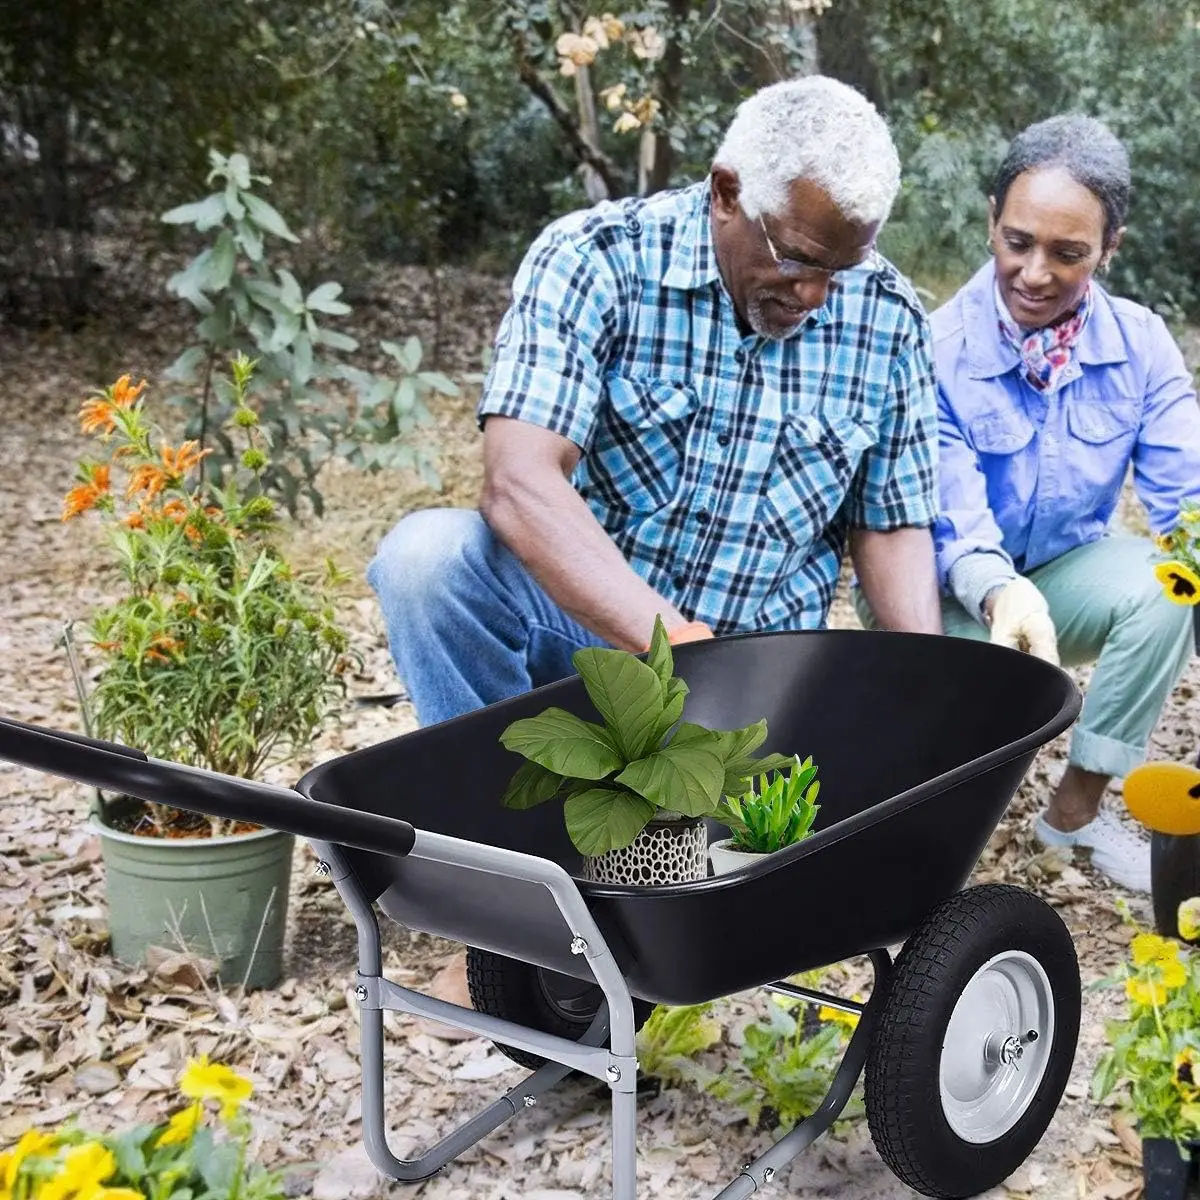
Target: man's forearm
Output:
[(549, 527), (898, 577)]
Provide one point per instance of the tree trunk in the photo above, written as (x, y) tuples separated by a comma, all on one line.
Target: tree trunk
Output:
[(843, 40), (657, 157)]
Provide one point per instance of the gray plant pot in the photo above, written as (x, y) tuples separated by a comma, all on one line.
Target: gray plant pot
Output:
[(226, 898)]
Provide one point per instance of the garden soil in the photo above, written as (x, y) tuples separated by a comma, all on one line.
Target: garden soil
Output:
[(81, 1035)]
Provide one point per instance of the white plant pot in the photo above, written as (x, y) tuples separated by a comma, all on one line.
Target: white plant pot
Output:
[(671, 849), (725, 858)]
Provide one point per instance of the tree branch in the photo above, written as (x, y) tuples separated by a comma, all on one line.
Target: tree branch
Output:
[(598, 161)]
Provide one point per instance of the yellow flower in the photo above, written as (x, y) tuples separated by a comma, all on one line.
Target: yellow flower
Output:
[(33, 1142), (1165, 542), (1189, 919), (1145, 993), (202, 1080), (84, 1169), (182, 1125), (1180, 582), (846, 1019), (116, 1194), (1172, 974), (1149, 948)]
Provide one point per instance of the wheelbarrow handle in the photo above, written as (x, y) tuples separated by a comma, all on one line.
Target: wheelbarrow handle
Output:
[(122, 769)]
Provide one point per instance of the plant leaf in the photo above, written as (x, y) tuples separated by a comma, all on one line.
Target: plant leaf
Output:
[(530, 786), (670, 714), (265, 217), (684, 778), (603, 819), (439, 382), (660, 659), (626, 693), (325, 299), (563, 743), (203, 214)]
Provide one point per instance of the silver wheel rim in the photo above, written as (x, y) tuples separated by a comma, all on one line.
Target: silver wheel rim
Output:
[(996, 1047)]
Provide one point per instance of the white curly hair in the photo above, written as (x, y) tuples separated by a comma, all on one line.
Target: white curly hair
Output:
[(817, 129)]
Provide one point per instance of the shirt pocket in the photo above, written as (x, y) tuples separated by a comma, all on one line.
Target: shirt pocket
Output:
[(640, 458), (999, 432), (815, 464), (1101, 437)]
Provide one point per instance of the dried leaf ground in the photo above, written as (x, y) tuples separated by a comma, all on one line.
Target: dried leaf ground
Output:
[(83, 1035)]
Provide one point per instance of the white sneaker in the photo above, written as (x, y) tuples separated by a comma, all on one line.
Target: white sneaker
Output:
[(1117, 851)]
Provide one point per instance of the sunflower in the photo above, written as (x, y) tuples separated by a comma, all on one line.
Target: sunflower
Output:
[(1180, 582)]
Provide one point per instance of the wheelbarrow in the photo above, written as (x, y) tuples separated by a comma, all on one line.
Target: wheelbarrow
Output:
[(968, 1036)]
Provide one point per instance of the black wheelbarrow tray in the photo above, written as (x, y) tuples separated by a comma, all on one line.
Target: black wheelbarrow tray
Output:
[(968, 1037)]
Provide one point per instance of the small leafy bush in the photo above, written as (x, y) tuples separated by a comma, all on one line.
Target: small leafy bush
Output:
[(216, 654), (1154, 1050), (671, 1038), (615, 777), (249, 304), (779, 813), (194, 1153)]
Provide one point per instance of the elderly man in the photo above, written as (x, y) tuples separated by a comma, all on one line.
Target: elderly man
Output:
[(697, 400)]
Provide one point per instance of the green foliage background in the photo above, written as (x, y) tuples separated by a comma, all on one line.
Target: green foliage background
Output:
[(108, 111)]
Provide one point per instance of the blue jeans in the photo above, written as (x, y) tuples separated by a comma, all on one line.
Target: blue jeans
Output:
[(466, 623)]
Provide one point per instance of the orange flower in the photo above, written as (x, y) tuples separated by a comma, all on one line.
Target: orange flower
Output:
[(145, 478), (108, 646), (135, 520), (157, 656), (181, 461), (123, 394), (164, 642), (79, 499), (175, 509), (100, 478), (97, 415)]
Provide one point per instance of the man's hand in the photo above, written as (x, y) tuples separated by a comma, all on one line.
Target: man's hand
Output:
[(1020, 618)]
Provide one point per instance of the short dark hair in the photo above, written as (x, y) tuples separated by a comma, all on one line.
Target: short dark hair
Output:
[(1083, 147)]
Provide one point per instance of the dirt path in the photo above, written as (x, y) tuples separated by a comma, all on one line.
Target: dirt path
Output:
[(77, 1007)]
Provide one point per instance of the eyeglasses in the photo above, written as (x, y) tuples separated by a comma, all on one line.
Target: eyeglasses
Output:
[(794, 269)]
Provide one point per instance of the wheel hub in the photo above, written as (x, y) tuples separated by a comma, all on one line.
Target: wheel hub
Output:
[(996, 1047)]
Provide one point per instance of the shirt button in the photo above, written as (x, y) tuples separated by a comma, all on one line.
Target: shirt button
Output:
[(633, 225), (723, 439), (739, 356), (679, 582), (703, 517)]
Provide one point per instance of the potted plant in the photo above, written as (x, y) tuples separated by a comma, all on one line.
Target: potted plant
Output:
[(1154, 1052), (779, 813), (216, 654), (636, 786)]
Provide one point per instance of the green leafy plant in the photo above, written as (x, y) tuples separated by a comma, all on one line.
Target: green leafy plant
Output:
[(1154, 1050), (642, 760), (196, 1152), (671, 1038), (217, 654), (779, 813), (784, 1069), (248, 304)]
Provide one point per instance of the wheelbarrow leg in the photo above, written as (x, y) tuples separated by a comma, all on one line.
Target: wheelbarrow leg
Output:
[(764, 1168)]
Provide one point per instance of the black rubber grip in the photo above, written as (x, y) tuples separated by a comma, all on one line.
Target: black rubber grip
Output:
[(122, 770)]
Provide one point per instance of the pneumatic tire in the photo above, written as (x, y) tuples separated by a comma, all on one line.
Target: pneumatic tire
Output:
[(974, 1042)]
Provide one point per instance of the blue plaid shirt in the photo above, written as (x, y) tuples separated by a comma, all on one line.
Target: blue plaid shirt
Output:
[(727, 468)]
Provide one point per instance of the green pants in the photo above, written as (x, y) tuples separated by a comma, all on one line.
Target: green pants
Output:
[(1109, 609)]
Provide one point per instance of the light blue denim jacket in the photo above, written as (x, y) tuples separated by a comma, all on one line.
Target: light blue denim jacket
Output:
[(1026, 476)]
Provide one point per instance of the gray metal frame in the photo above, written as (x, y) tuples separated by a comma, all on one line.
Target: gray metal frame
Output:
[(614, 1064)]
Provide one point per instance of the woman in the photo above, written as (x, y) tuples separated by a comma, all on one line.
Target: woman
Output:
[(1050, 389)]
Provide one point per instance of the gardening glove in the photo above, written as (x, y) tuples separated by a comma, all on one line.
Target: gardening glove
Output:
[(1021, 619)]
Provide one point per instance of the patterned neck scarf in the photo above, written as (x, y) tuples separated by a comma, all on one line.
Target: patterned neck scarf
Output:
[(1045, 353)]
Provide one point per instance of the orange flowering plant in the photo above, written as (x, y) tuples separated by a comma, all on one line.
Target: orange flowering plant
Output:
[(1154, 1050), (202, 1150), (217, 654)]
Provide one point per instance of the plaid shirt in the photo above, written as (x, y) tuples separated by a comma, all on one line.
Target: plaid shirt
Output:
[(728, 469)]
